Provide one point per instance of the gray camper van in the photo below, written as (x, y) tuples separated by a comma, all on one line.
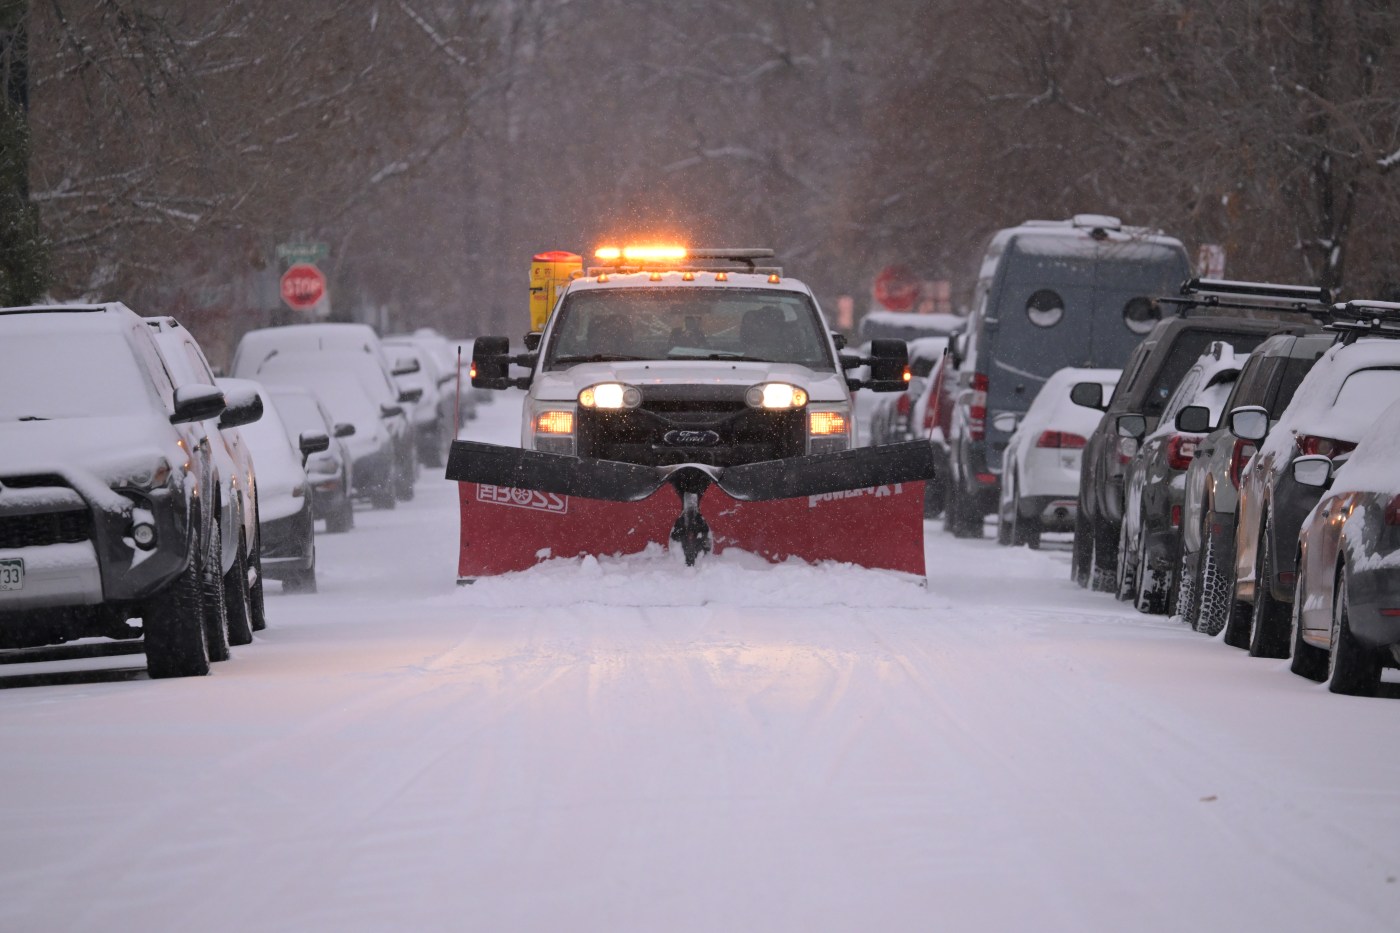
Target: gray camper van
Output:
[(1050, 294)]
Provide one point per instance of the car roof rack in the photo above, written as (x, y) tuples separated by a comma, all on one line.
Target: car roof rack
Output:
[(723, 260), (1356, 319), (1229, 295)]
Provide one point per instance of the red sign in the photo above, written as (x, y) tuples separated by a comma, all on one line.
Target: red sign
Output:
[(896, 289), (303, 285)]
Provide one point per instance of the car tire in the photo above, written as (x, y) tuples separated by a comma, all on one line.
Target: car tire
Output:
[(257, 606), (215, 610), (1006, 524), (1269, 624), (1024, 531), (1125, 579), (935, 497), (236, 597), (1082, 550), (1188, 589), (1152, 586), (1214, 587), (1103, 572), (342, 518), (1352, 669), (1308, 660), (173, 625), (383, 497), (965, 520)]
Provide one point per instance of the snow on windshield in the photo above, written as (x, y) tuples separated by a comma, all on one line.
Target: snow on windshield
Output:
[(688, 323), (77, 375), (299, 413), (340, 391)]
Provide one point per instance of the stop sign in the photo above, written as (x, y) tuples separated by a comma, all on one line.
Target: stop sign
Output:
[(896, 288), (302, 286)]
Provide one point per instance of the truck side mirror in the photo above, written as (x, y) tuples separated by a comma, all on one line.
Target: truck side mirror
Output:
[(889, 366), (244, 407), (197, 403), (1194, 419), (1250, 423), (491, 363), (1088, 395)]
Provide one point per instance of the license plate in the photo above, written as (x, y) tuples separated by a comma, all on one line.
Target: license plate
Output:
[(11, 573)]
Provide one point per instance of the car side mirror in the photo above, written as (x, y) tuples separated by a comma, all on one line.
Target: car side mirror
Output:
[(410, 396), (1194, 419), (406, 366), (532, 340), (312, 442), (1250, 423), (1087, 395), (344, 429), (1131, 425), (1312, 470), (956, 347), (390, 411), (839, 340), (197, 403), (242, 407)]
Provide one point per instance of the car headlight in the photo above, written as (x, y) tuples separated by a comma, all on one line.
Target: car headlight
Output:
[(610, 396), (152, 477), (781, 396)]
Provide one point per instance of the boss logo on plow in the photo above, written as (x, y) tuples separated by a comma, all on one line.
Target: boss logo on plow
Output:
[(878, 492), (522, 498)]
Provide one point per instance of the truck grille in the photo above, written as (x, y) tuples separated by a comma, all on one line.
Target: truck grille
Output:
[(17, 531)]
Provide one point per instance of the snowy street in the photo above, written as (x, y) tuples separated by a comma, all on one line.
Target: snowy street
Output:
[(631, 745)]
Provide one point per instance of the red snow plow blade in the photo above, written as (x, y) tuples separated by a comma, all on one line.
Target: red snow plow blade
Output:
[(521, 507)]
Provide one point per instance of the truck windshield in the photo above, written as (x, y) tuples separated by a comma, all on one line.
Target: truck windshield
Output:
[(688, 324)]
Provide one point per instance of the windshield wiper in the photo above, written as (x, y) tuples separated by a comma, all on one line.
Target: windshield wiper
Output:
[(725, 355), (599, 358)]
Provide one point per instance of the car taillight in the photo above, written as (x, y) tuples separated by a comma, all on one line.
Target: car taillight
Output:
[(1238, 458), (1312, 445), (1181, 448), (1176, 516), (977, 409), (902, 404), (1060, 440), (1392, 512)]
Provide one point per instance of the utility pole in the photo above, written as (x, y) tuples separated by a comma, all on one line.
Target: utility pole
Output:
[(23, 259)]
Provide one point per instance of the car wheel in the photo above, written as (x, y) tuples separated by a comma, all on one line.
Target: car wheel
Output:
[(173, 624), (383, 497), (1308, 661), (215, 611), (1082, 551), (1268, 631), (236, 598), (1126, 577), (1024, 530), (1103, 571), (1214, 585), (257, 608), (966, 521), (1006, 521), (342, 518), (1153, 585), (1188, 607), (1351, 668), (935, 497)]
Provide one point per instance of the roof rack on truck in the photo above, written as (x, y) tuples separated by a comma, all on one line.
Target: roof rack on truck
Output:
[(1229, 295), (1355, 319)]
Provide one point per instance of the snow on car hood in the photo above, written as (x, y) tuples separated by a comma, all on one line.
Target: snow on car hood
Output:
[(565, 384), (92, 454)]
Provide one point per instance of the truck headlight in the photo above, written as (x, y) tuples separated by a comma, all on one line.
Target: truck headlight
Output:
[(610, 396), (781, 396)]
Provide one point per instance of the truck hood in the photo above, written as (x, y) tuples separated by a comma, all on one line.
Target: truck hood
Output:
[(565, 384), (92, 454)]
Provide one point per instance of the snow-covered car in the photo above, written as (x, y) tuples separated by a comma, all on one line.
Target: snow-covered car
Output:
[(892, 418), (330, 471), (103, 485), (1040, 466), (1334, 407), (273, 354), (286, 524), (357, 392), (432, 412), (1205, 570), (233, 471), (1346, 603), (1155, 478)]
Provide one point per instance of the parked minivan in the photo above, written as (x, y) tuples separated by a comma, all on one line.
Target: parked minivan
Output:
[(1050, 295)]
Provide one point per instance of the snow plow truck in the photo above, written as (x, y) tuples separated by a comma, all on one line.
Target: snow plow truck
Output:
[(692, 398)]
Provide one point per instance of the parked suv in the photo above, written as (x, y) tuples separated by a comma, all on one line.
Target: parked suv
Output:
[(1206, 571), (1149, 541), (233, 472), (1152, 372), (1333, 408), (1050, 294), (103, 490)]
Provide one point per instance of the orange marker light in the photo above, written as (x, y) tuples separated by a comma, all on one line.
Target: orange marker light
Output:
[(687, 276), (907, 374), (774, 279), (608, 253), (721, 276), (471, 373), (555, 422), (826, 422), (655, 277)]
